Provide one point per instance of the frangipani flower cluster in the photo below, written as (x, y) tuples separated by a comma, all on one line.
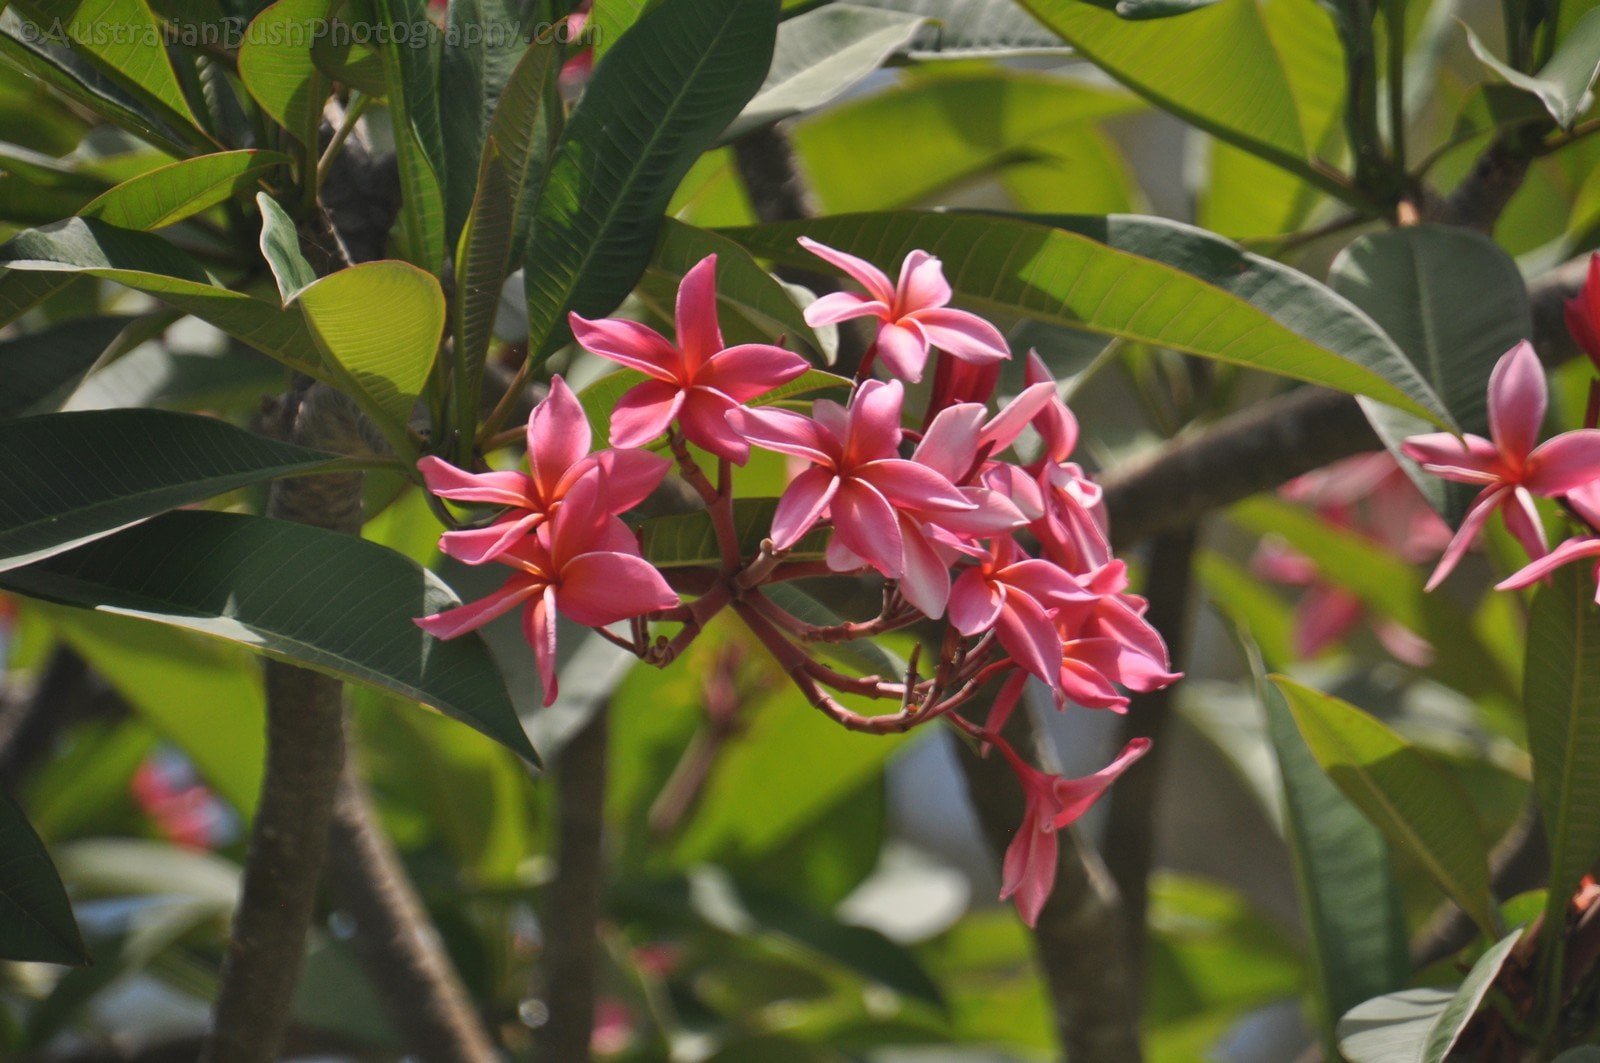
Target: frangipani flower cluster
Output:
[(1012, 557)]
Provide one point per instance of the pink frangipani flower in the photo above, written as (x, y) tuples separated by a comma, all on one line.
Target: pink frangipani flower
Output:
[(558, 457), (915, 315), (856, 477), (1513, 467), (1585, 502), (1029, 871), (1015, 595), (583, 563), (694, 382)]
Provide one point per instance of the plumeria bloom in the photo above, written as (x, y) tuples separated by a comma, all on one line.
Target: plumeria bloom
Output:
[(1585, 501), (1513, 466), (1014, 595), (1029, 871), (915, 315), (856, 477), (558, 457), (694, 382), (1583, 313), (1140, 662), (583, 563)]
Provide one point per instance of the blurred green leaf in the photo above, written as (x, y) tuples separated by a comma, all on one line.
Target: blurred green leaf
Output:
[(69, 478), (35, 917), (1563, 84), (1419, 807), (820, 54), (1561, 698), (276, 66), (660, 97), (39, 366), (1454, 303), (311, 597), (1060, 277)]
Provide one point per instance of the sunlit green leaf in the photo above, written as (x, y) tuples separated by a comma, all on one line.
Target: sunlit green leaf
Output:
[(276, 67)]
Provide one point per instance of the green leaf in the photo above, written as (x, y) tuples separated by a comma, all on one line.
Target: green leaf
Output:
[(410, 70), (35, 917), (1348, 894), (69, 478), (659, 98), (276, 66), (867, 656), (1454, 303), (311, 597), (1217, 68), (169, 194), (609, 20), (965, 123), (1020, 268), (1418, 806), (483, 43), (1563, 84), (380, 323), (744, 290), (1562, 700), (1420, 1025), (123, 38), (686, 540), (41, 365), (965, 29), (819, 55), (280, 245), (1142, 9)]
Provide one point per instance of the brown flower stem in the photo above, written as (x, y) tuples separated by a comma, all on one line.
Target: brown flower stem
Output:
[(572, 908)]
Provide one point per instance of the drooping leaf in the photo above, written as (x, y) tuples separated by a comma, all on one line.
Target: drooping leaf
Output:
[(967, 29), (410, 53), (1421, 810), (1562, 700), (169, 194), (35, 917), (1564, 83), (1348, 893), (1420, 1025), (659, 98), (276, 66), (280, 246), (295, 593), (1024, 269), (36, 366), (689, 539), (69, 478), (820, 54), (1454, 303)]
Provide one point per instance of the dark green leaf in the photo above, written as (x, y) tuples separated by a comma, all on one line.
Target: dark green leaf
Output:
[(68, 478), (410, 51), (41, 365), (1419, 807), (689, 539), (864, 655), (659, 98), (483, 42), (330, 602), (35, 918)]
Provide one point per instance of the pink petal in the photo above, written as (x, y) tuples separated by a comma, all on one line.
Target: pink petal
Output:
[(1522, 521), (905, 483), (558, 436), (786, 433), (950, 445), (925, 581), (874, 422), (1075, 796), (1562, 464), (1568, 552), (601, 588), (975, 603), (474, 546), (966, 336), (994, 514), (1585, 501), (704, 421), (1086, 685), (903, 348), (866, 522), (699, 335), (1048, 584), (464, 618), (539, 628), (1004, 428), (643, 414), (922, 284), (841, 558), (631, 476), (491, 488), (1005, 702), (870, 277), (843, 306), (581, 520), (751, 369), (802, 505), (1323, 617), (1482, 507), (1029, 636), (1028, 871), (1517, 400), (630, 343), (1469, 459)]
